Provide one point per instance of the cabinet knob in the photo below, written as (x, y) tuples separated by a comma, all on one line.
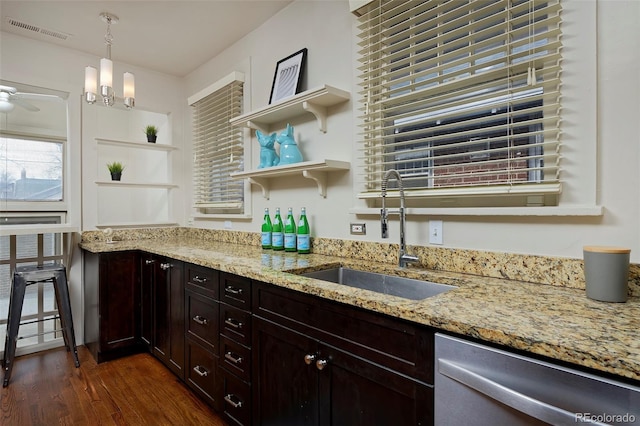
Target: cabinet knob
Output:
[(309, 358), (165, 266), (149, 262), (321, 363)]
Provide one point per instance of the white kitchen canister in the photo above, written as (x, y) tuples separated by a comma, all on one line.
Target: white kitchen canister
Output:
[(606, 273)]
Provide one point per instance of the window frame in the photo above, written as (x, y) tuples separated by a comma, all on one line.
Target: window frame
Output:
[(579, 134), (213, 212)]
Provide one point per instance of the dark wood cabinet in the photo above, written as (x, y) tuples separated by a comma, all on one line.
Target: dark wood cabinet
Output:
[(320, 362), (202, 333), (235, 348), (168, 314), (111, 296), (147, 278), (259, 353)]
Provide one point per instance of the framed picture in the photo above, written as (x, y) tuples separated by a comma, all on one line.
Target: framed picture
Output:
[(288, 77)]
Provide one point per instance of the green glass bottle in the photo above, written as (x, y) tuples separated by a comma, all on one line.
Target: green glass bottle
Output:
[(267, 229), (290, 232), (277, 236), (303, 240)]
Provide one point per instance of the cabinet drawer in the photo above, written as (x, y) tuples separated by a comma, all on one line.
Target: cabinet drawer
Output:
[(235, 324), (390, 342), (236, 399), (202, 319), (235, 358), (202, 372), (203, 280), (235, 291)]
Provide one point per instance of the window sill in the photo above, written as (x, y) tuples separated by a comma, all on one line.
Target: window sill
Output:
[(491, 211)]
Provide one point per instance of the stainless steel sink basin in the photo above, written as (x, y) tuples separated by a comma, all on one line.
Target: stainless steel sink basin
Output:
[(407, 288)]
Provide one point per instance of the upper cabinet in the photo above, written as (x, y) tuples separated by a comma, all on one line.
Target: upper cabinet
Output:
[(314, 101)]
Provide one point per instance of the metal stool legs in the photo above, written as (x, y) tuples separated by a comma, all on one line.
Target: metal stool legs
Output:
[(22, 277)]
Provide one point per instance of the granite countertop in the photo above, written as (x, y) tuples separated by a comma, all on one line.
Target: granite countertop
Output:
[(558, 322)]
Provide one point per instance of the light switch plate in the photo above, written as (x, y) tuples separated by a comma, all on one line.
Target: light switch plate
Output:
[(435, 232)]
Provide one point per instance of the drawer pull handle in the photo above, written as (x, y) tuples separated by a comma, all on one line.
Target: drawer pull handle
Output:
[(309, 358), (321, 364), (233, 323), (199, 280), (165, 266), (233, 290), (200, 320), (149, 262), (236, 359), (234, 404), (201, 371)]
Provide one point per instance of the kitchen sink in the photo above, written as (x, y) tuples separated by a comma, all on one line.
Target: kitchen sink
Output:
[(407, 288)]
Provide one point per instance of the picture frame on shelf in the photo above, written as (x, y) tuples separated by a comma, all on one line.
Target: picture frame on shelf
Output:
[(287, 79)]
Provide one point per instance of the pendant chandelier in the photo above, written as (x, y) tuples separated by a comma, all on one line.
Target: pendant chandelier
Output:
[(106, 74)]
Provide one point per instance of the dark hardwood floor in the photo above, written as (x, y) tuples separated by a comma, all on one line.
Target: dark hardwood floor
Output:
[(47, 389)]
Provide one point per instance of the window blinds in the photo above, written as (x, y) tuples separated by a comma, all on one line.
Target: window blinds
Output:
[(218, 150), (462, 97)]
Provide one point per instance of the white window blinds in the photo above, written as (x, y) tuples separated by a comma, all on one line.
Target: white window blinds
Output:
[(462, 97), (218, 150)]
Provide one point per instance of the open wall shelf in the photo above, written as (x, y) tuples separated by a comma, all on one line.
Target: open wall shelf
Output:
[(314, 170), (314, 101)]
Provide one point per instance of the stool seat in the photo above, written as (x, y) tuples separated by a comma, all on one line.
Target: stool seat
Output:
[(24, 276)]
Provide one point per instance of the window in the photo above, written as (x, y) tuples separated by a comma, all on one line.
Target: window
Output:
[(218, 147), (463, 99), (30, 170)]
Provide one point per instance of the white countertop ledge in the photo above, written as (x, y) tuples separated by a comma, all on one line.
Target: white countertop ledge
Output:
[(38, 228)]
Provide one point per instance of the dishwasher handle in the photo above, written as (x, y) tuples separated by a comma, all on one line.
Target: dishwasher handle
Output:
[(514, 399)]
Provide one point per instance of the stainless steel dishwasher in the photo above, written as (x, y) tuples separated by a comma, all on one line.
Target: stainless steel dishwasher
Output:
[(480, 385)]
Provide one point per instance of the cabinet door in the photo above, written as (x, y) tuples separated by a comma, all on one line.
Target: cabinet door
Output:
[(285, 388), (354, 391), (169, 327), (147, 277), (118, 301)]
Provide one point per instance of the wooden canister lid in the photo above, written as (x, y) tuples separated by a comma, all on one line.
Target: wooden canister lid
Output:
[(607, 249)]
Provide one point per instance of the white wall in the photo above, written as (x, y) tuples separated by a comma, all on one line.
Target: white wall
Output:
[(326, 29), (41, 64)]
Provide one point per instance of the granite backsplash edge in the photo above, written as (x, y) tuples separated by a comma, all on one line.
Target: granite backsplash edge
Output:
[(557, 271)]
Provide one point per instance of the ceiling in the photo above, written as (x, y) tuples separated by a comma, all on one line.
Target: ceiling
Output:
[(172, 37)]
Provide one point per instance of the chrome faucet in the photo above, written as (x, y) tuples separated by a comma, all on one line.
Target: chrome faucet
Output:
[(403, 257)]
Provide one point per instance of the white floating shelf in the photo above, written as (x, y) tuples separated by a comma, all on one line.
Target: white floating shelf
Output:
[(314, 170), (137, 145), (314, 101), (135, 225), (136, 184)]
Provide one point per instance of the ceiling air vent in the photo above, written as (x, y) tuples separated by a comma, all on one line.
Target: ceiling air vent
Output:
[(36, 29)]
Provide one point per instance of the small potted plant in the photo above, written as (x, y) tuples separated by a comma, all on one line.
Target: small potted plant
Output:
[(115, 169), (152, 133)]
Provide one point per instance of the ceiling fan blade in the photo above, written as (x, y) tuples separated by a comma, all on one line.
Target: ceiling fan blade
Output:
[(36, 96), (25, 105)]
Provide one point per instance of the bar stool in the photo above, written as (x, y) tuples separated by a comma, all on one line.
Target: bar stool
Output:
[(24, 276)]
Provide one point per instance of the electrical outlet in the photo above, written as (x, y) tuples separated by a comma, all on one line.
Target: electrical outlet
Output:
[(435, 232), (227, 224), (358, 229)]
